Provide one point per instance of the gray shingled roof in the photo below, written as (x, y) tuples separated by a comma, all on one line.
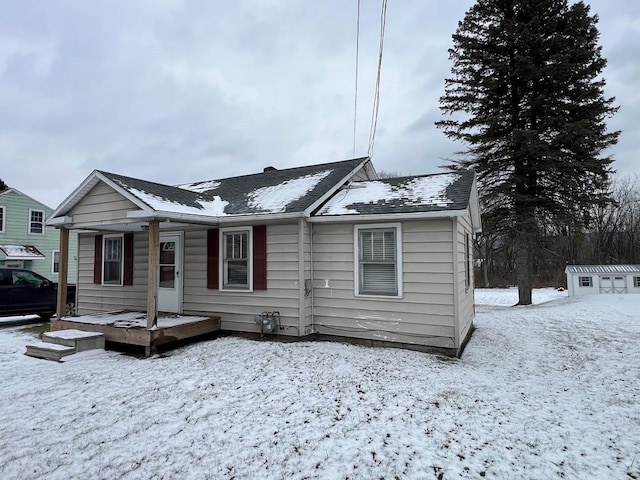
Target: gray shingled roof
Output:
[(416, 194), (289, 190)]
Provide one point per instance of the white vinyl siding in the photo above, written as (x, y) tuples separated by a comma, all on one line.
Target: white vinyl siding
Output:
[(378, 260), (425, 313), (36, 222), (102, 205), (112, 260), (96, 298), (237, 307), (465, 281)]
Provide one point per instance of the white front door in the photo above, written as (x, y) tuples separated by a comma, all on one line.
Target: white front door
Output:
[(170, 273)]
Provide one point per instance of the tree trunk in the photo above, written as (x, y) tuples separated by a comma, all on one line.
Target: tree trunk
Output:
[(525, 251)]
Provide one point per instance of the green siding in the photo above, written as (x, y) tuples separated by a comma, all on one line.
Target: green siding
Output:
[(16, 232)]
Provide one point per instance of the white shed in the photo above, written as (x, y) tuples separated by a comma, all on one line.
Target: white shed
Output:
[(593, 279)]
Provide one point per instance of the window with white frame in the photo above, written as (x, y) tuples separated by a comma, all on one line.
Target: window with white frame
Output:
[(378, 260), (36, 221), (55, 261), (112, 260), (636, 282), (236, 259), (2, 218), (585, 281)]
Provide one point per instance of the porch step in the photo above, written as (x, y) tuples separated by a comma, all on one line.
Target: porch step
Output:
[(49, 351), (78, 339), (58, 344)]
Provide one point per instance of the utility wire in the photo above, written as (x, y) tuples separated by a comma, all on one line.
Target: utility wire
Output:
[(376, 97), (355, 100)]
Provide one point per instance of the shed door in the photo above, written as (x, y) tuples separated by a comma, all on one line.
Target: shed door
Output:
[(612, 284), (170, 273)]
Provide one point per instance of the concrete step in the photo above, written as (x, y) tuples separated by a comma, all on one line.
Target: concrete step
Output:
[(78, 339), (49, 351)]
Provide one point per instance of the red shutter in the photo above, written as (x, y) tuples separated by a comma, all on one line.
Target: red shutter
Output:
[(260, 257), (97, 260), (213, 244), (127, 278)]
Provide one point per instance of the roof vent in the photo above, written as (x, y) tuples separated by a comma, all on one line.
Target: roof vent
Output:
[(269, 169)]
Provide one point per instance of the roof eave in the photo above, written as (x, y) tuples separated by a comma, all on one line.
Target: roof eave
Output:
[(213, 220), (355, 217)]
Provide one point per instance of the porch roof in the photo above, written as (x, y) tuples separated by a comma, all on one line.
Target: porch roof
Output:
[(20, 252)]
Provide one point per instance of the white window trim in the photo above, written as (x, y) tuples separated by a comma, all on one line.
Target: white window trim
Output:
[(53, 261), (580, 277), (3, 209), (104, 252), (222, 287), (31, 210), (356, 259)]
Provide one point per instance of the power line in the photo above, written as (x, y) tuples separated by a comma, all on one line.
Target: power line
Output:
[(355, 99), (376, 97)]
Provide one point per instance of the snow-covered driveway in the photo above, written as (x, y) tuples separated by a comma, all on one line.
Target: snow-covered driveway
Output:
[(547, 391)]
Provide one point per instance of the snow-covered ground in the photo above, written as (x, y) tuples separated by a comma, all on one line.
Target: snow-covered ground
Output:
[(546, 391)]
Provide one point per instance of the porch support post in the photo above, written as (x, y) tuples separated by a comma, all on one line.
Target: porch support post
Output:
[(152, 276), (63, 268)]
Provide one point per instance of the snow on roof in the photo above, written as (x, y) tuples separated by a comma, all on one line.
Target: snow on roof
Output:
[(275, 198), (200, 187), (214, 208), (602, 269), (421, 191), (21, 252)]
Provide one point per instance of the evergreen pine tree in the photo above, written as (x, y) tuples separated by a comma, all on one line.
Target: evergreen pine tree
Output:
[(526, 96)]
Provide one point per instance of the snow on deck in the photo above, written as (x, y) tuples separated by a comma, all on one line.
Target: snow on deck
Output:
[(134, 319)]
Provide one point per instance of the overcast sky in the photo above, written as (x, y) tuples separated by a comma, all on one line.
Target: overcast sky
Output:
[(178, 90)]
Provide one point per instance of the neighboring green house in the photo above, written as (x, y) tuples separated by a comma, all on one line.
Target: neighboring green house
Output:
[(26, 241)]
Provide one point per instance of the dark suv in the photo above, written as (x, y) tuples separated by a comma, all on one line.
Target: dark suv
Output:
[(24, 292)]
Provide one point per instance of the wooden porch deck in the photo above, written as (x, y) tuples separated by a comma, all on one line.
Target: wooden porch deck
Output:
[(129, 328)]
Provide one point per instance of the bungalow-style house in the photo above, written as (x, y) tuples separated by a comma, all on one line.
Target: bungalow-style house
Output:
[(323, 249), (25, 239), (596, 279)]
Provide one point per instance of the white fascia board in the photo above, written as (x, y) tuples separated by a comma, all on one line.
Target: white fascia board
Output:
[(387, 217), (59, 221), (210, 220), (334, 189), (474, 207)]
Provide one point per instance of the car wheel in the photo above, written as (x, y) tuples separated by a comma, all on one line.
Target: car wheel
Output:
[(45, 316), (70, 309)]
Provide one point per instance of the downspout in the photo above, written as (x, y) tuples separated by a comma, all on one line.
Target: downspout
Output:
[(301, 282), (312, 274), (456, 293)]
